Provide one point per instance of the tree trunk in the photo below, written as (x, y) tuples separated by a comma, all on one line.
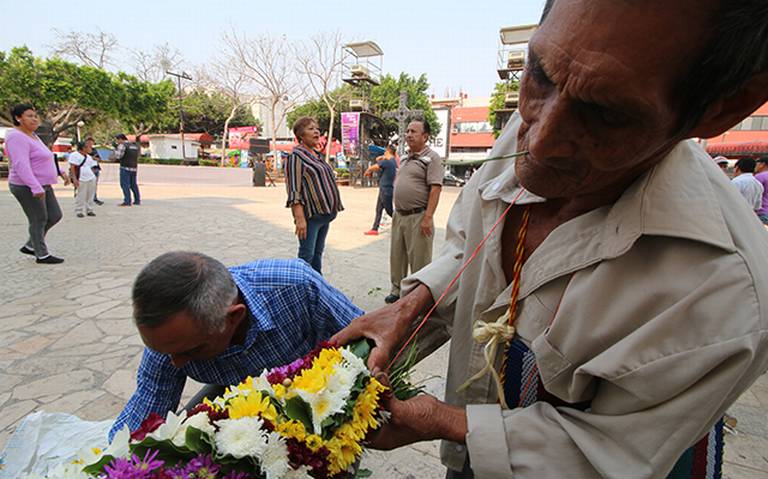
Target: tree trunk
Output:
[(332, 111), (275, 153), (226, 129)]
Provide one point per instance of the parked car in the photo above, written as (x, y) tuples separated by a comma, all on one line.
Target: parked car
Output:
[(449, 179)]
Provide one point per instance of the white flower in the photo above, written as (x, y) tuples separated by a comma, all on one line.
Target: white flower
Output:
[(198, 421), (324, 404), (241, 437), (119, 445), (261, 383), (355, 363), (168, 430), (301, 473), (274, 460)]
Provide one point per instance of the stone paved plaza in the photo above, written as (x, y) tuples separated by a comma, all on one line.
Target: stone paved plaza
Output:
[(67, 343)]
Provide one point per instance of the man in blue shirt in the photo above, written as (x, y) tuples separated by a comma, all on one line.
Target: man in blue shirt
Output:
[(387, 167), (217, 326)]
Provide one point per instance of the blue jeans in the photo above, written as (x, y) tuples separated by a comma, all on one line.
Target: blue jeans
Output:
[(128, 183), (311, 249)]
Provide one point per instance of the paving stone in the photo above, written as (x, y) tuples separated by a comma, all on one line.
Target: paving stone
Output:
[(751, 420), (84, 352), (7, 310), (56, 384), (47, 399), (95, 309), (18, 322), (123, 327), (11, 337), (120, 312), (72, 402), (106, 406), (121, 383), (31, 345), (746, 450), (84, 333), (55, 326), (15, 411), (4, 397), (80, 291), (735, 471), (112, 339)]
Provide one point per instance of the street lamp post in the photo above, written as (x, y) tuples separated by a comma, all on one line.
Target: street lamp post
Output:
[(80, 124), (179, 76)]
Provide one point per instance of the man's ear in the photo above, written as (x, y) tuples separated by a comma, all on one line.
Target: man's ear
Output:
[(235, 314), (728, 111)]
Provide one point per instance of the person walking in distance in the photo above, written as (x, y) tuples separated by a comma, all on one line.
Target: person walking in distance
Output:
[(96, 169), (387, 167), (127, 153), (748, 186), (761, 175)]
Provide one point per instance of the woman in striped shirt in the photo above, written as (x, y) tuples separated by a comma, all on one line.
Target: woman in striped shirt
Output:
[(312, 192)]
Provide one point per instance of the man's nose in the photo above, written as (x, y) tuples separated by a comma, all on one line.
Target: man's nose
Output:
[(552, 127)]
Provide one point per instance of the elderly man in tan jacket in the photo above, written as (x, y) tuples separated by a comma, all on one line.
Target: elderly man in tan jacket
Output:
[(641, 309)]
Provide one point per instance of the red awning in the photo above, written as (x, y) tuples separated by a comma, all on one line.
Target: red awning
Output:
[(748, 148)]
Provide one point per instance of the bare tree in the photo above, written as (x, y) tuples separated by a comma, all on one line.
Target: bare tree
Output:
[(320, 60), (228, 78), (94, 49), (268, 62), (150, 66)]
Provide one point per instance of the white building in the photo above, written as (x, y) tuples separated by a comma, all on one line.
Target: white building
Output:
[(263, 112), (169, 146)]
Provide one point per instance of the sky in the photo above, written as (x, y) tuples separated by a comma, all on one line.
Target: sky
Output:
[(454, 43)]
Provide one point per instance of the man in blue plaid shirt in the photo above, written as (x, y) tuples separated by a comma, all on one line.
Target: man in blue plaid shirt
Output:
[(217, 326)]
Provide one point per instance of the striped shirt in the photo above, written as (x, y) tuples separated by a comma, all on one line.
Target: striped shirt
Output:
[(310, 182), (291, 309)]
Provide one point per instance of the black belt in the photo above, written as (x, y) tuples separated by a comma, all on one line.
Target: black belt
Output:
[(410, 212)]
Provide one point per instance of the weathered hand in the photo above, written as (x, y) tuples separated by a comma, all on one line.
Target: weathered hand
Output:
[(427, 226), (422, 418), (66, 178), (386, 326)]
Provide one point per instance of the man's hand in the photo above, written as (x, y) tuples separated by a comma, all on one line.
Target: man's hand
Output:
[(75, 183), (427, 226), (40, 196), (65, 177), (386, 326), (422, 418), (301, 227)]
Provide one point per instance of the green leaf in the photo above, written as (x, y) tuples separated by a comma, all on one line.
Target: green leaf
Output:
[(98, 467), (298, 409), (197, 440), (361, 348), (167, 451), (363, 473)]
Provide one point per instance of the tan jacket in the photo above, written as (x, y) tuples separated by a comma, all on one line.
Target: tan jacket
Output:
[(662, 326)]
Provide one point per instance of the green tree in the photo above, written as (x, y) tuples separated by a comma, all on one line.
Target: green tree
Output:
[(208, 111), (143, 106), (63, 93), (382, 98), (497, 102)]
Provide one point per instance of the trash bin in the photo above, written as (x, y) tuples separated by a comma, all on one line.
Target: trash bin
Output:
[(259, 174)]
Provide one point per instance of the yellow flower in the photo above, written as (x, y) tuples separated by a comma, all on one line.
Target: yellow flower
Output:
[(342, 454), (314, 442), (211, 405), (254, 404), (279, 390)]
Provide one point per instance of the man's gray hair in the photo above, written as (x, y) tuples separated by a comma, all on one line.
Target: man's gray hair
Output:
[(183, 281), (736, 50)]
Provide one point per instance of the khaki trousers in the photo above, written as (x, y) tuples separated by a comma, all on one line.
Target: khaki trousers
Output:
[(84, 199), (409, 248)]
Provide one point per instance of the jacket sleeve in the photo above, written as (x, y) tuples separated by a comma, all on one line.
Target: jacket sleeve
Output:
[(294, 171), (18, 150)]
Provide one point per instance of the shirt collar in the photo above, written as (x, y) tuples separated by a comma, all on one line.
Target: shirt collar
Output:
[(415, 156), (675, 198), (258, 313)]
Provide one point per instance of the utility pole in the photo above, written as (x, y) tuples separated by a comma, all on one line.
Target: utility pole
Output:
[(179, 76)]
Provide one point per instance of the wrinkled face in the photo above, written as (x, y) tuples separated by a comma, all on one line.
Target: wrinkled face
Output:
[(183, 339), (29, 120), (310, 136), (599, 94), (761, 167), (416, 137)]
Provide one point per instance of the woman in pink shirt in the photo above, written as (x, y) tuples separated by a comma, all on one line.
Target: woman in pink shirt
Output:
[(33, 171)]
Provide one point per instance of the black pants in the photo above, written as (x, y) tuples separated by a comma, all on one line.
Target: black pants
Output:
[(42, 214), (384, 202)]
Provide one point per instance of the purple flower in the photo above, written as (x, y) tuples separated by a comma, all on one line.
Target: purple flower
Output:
[(134, 468), (236, 475)]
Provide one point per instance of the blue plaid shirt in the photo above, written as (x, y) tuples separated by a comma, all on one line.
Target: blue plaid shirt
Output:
[(291, 309)]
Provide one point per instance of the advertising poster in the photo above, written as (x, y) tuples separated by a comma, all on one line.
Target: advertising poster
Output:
[(350, 133), (239, 136)]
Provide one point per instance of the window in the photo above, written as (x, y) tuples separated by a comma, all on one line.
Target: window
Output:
[(473, 127)]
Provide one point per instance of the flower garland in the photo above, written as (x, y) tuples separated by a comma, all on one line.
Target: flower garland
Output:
[(307, 419)]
